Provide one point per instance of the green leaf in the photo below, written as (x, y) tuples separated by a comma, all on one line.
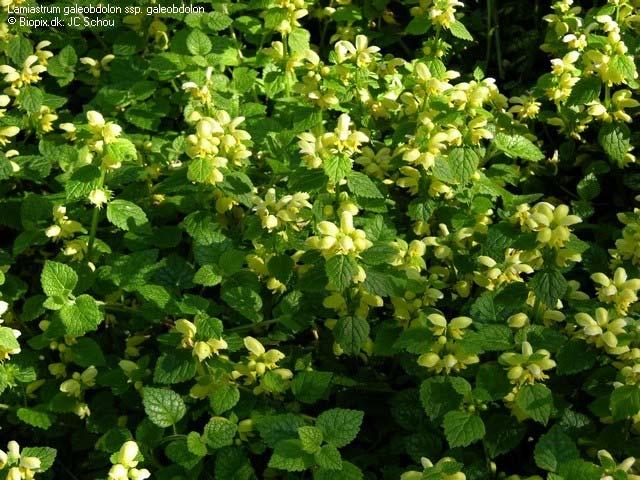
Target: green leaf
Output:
[(120, 150), (462, 428), (219, 432), (615, 139), (58, 279), (35, 418), (624, 67), (625, 402), (18, 49), (217, 21), (549, 286), (233, 464), (349, 472), (81, 317), (82, 182), (310, 438), (585, 91), (244, 300), (289, 455), (224, 398), (275, 428), (46, 455), (517, 146), (504, 433), (589, 187), (198, 43), (163, 407), (175, 367), (489, 338), (362, 186), (87, 352), (458, 30), (339, 426), (8, 340), (340, 270), (126, 215), (298, 40), (554, 448), (328, 458), (575, 356), (580, 470), (196, 444), (351, 334), (536, 401), (311, 386), (281, 267), (492, 378), (31, 98), (208, 276), (418, 25), (438, 397), (337, 167)]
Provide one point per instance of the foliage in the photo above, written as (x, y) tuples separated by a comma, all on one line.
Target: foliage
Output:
[(283, 239)]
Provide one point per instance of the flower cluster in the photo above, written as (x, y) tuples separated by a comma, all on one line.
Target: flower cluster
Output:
[(125, 462), (446, 353), (20, 467)]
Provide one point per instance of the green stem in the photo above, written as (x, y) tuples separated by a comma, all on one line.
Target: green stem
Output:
[(249, 327), (94, 220)]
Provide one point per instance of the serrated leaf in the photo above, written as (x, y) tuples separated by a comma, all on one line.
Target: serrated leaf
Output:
[(175, 367), (340, 426), (625, 402), (58, 279), (585, 91), (458, 30), (219, 432), (438, 397), (46, 455), (163, 407), (310, 438), (573, 357), (310, 386), (126, 215), (554, 448), (615, 139), (328, 458), (536, 401), (289, 455), (198, 43), (462, 428), (362, 186), (340, 270), (549, 286), (337, 167), (81, 317), (351, 333), (196, 444), (224, 398), (517, 146), (35, 418)]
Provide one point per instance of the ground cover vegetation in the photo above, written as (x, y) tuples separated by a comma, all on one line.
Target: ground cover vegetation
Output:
[(351, 240)]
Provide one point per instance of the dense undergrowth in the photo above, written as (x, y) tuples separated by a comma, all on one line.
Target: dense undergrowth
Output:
[(355, 240)]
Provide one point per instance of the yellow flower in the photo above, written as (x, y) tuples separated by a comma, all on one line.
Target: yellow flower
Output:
[(342, 240), (552, 223), (528, 366), (603, 331), (6, 133), (29, 74), (619, 290), (14, 349)]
